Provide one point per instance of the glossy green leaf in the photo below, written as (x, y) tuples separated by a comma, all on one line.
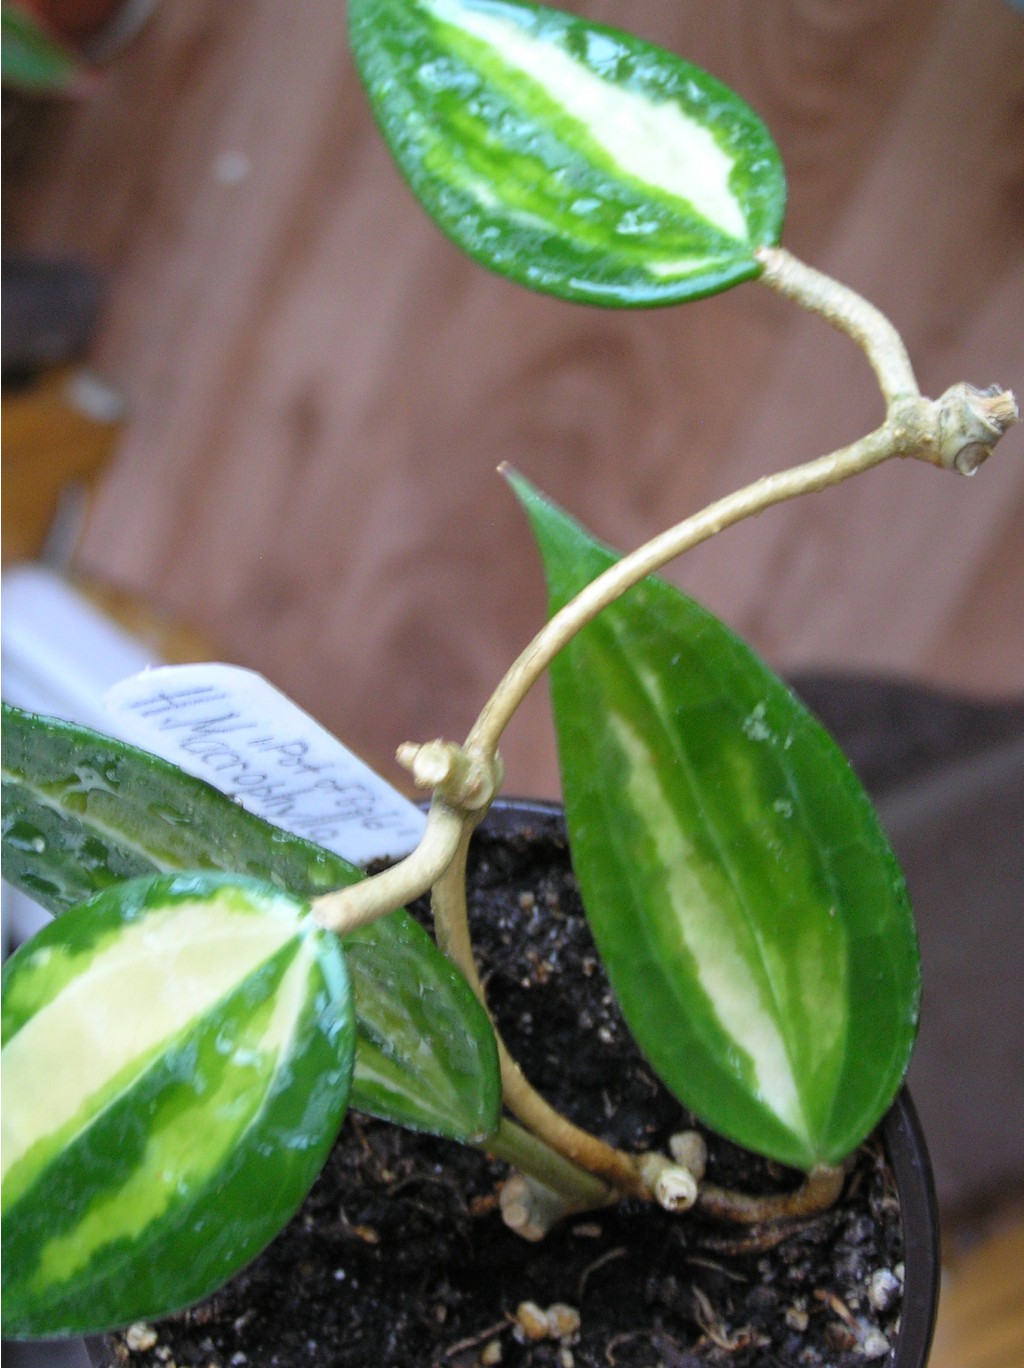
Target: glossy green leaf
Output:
[(751, 915), (573, 158), (177, 1055), (33, 60), (82, 812)]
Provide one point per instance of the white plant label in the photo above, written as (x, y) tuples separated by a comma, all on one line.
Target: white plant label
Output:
[(232, 728)]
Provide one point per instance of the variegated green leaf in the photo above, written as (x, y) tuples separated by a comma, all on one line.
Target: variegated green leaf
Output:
[(82, 811), (573, 158), (751, 915), (177, 1055)]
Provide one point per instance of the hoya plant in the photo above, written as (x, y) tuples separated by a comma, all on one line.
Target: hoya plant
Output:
[(181, 1043)]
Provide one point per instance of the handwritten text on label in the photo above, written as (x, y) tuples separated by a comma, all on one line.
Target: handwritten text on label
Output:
[(235, 730)]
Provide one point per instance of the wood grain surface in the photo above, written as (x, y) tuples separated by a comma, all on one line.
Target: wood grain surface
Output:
[(981, 1310), (320, 388)]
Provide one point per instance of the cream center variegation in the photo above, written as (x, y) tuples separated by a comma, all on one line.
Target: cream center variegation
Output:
[(159, 975), (734, 994), (653, 142), (183, 1151)]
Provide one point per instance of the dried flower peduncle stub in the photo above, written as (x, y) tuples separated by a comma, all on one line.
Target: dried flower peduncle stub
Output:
[(464, 783), (529, 1208), (970, 422), (672, 1185), (465, 780), (957, 431)]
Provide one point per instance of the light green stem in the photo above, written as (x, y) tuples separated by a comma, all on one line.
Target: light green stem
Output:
[(846, 310), (878, 446), (555, 1133), (578, 1189)]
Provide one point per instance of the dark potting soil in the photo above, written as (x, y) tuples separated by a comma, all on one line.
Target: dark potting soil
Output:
[(399, 1257)]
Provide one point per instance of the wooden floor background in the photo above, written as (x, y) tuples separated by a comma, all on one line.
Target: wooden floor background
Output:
[(320, 388), (981, 1308)]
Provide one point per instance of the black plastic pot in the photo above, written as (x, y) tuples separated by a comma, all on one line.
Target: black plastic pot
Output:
[(901, 1134), (908, 1154)]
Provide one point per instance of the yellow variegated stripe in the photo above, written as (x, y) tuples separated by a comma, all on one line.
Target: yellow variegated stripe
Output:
[(651, 142), (745, 975), (185, 1147), (737, 997), (575, 159), (159, 974)]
